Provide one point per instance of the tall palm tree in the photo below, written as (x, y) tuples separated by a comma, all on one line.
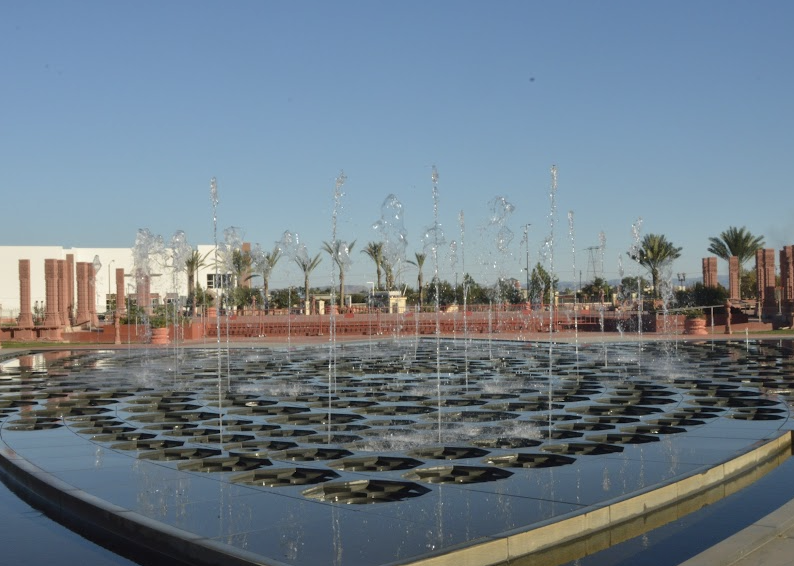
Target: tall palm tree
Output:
[(241, 266), (307, 265), (193, 263), (420, 280), (340, 254), (653, 254), (375, 251), (266, 261), (738, 242)]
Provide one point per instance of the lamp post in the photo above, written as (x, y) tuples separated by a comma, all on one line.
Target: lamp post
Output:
[(682, 281)]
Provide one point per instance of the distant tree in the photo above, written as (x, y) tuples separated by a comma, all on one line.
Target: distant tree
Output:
[(264, 263), (506, 291), (285, 298), (241, 266), (445, 290), (654, 253), (541, 285), (307, 265), (340, 253), (375, 251), (701, 296), (475, 294), (737, 242), (597, 290), (419, 263), (193, 263)]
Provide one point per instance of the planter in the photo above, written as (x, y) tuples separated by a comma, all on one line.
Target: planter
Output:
[(695, 326), (212, 312), (159, 336)]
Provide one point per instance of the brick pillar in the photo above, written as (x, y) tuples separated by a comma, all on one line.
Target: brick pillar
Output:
[(63, 293), (121, 303), (765, 281), (25, 312), (734, 281), (143, 292), (70, 288), (51, 317), (709, 271), (787, 277), (91, 277), (83, 314)]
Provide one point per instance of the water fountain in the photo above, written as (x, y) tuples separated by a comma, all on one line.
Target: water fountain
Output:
[(478, 451), (281, 446)]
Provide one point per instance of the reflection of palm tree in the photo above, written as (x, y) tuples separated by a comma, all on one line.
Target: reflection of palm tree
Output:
[(193, 263), (419, 263), (307, 266), (654, 253), (337, 252), (738, 242), (375, 251)]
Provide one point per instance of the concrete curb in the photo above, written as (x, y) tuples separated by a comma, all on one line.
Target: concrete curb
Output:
[(577, 535)]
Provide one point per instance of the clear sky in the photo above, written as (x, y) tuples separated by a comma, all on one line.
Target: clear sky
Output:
[(114, 116)]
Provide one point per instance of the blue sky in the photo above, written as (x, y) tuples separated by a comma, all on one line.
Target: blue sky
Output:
[(116, 115)]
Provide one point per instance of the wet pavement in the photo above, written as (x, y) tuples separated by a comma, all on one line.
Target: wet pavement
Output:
[(256, 450)]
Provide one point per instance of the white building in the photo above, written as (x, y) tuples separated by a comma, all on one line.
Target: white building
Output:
[(167, 283)]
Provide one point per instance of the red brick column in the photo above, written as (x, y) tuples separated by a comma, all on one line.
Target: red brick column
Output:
[(787, 277), (734, 281), (70, 288), (63, 293), (121, 303), (709, 271), (143, 292), (765, 281), (51, 317), (83, 314), (91, 276), (25, 313)]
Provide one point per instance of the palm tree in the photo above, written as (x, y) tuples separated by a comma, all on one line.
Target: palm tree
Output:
[(375, 251), (737, 242), (653, 254), (266, 261), (307, 265), (340, 255), (193, 263), (419, 263), (241, 266)]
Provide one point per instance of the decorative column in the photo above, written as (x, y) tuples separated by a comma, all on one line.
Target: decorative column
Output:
[(787, 281), (143, 292), (51, 317), (25, 313), (734, 282), (121, 302), (83, 314), (63, 293), (70, 288), (91, 277), (709, 271), (765, 281)]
